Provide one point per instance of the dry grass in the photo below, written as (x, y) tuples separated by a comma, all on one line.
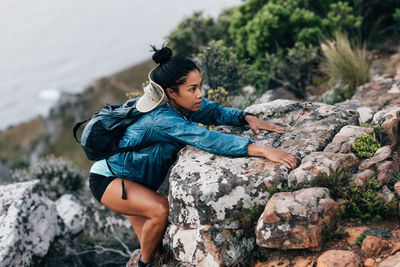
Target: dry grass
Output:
[(345, 63)]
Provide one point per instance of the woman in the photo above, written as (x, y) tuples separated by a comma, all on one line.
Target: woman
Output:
[(173, 102)]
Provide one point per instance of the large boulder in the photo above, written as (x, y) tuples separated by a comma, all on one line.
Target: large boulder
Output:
[(296, 220), (28, 223), (213, 194)]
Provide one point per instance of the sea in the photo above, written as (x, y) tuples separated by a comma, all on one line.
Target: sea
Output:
[(52, 46)]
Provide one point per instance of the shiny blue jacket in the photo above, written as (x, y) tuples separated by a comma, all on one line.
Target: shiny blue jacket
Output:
[(171, 130)]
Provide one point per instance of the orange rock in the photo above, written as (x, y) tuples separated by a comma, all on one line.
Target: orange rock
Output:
[(354, 233), (369, 263), (373, 245), (339, 258)]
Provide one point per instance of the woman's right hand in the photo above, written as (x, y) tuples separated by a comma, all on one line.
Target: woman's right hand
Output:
[(280, 156), (273, 154)]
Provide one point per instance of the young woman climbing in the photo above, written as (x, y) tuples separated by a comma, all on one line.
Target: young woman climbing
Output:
[(173, 103)]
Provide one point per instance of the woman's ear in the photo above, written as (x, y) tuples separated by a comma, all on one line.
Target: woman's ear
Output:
[(170, 93)]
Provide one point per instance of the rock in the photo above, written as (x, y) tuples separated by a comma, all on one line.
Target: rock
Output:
[(397, 188), (387, 195), (208, 245), (28, 223), (134, 259), (388, 119), (366, 114), (372, 246), (212, 193), (354, 233), (395, 248), (362, 176), (386, 171), (369, 263), (380, 155), (392, 261), (280, 93), (285, 262), (317, 164), (339, 258), (72, 213), (372, 97), (346, 137), (296, 220)]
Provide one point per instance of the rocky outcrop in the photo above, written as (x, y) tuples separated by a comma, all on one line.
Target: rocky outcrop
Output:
[(372, 97), (28, 223), (296, 220), (213, 194)]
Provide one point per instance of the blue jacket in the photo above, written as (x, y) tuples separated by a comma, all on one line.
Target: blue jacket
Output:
[(170, 130)]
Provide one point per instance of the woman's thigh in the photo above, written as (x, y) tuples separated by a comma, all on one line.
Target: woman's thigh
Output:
[(141, 201)]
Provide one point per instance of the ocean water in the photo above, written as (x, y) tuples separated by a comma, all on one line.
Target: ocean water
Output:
[(53, 46)]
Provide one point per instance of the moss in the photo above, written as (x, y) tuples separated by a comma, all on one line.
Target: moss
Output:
[(365, 146)]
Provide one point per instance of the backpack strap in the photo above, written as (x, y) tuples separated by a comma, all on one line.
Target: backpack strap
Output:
[(76, 128)]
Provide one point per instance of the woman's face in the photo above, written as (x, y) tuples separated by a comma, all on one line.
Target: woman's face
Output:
[(189, 94)]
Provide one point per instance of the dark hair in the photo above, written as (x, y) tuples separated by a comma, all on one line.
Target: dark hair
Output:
[(172, 71)]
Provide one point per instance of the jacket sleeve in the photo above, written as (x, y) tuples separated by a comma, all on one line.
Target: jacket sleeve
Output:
[(187, 132), (212, 113)]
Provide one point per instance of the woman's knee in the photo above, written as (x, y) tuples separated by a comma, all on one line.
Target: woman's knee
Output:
[(162, 209)]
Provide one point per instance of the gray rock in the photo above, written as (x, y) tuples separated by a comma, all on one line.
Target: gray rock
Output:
[(317, 164), (72, 213), (346, 137), (28, 223)]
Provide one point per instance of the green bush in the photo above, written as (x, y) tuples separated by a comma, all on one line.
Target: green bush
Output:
[(346, 65), (197, 31), (365, 146), (365, 202), (57, 175), (220, 67), (291, 67)]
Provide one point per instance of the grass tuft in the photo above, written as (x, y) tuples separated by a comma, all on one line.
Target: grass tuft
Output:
[(345, 63)]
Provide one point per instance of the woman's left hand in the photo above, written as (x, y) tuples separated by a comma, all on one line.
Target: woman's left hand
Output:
[(256, 125)]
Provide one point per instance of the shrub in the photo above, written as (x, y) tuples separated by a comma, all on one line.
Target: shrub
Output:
[(220, 67), (365, 146), (219, 95), (346, 65), (57, 175), (196, 31), (291, 67), (365, 202)]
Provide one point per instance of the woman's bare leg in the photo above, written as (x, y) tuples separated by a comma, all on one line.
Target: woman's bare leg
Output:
[(137, 224), (143, 202)]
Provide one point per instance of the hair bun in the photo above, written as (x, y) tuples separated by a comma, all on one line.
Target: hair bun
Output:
[(162, 55)]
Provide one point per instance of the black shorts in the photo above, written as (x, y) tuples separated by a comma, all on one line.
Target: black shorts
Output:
[(98, 184)]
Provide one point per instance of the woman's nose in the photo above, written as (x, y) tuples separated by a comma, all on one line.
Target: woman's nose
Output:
[(199, 93)]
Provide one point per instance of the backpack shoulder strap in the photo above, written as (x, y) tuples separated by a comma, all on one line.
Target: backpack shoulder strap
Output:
[(76, 128)]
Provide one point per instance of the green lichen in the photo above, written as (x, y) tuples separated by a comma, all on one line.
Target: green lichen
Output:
[(365, 146)]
